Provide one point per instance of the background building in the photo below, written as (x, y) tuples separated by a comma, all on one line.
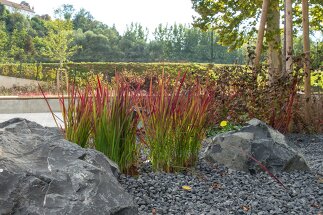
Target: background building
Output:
[(23, 8)]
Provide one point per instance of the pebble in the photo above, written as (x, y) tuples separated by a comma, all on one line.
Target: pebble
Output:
[(234, 193)]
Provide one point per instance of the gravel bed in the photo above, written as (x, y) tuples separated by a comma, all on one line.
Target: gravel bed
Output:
[(218, 190)]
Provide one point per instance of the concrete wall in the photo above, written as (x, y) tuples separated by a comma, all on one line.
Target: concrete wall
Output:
[(9, 82), (27, 105)]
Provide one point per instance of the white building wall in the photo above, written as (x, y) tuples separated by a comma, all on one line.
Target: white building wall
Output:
[(23, 12)]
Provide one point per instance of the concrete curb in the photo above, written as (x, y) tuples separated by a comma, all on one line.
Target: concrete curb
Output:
[(13, 104)]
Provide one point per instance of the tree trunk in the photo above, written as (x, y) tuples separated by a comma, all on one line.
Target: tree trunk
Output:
[(284, 43), (307, 75), (289, 38), (66, 79), (274, 42), (57, 80), (58, 76), (261, 31), (212, 45)]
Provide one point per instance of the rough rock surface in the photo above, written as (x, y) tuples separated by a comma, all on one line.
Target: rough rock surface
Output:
[(41, 173), (237, 149)]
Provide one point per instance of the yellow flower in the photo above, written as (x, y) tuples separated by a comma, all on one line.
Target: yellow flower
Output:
[(223, 123), (188, 188)]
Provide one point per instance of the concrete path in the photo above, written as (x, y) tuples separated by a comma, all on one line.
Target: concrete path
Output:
[(44, 119)]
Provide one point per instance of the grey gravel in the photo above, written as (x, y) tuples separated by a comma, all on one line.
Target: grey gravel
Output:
[(218, 190)]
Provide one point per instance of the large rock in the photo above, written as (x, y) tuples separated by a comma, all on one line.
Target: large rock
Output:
[(41, 173), (258, 140)]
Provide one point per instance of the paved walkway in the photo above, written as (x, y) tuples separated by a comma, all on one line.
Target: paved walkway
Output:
[(44, 119)]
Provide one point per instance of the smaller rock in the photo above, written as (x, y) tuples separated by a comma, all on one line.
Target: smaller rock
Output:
[(257, 142)]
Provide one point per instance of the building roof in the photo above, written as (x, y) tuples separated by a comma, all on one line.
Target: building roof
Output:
[(17, 6)]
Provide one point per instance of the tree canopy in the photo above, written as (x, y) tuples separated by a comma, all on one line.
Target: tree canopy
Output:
[(235, 21), (36, 39), (56, 45)]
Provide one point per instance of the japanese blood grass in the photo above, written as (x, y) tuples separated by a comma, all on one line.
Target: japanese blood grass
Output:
[(115, 124), (77, 116), (174, 122)]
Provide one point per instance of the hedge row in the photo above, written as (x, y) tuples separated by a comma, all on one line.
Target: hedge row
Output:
[(236, 94), (80, 72), (47, 71)]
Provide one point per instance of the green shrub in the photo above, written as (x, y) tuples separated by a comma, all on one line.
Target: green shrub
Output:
[(317, 80)]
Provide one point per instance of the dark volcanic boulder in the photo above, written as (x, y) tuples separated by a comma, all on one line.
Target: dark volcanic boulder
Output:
[(233, 149), (41, 173)]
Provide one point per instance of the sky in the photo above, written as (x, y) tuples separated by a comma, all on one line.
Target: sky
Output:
[(149, 13)]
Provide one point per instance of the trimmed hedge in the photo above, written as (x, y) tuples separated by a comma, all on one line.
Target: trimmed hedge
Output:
[(47, 71), (81, 73), (237, 94)]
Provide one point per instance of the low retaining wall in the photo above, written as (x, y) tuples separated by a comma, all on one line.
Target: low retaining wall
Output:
[(10, 82), (15, 104)]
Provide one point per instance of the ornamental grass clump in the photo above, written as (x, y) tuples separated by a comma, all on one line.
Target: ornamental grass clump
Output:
[(76, 111), (174, 122), (115, 124), (77, 115)]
